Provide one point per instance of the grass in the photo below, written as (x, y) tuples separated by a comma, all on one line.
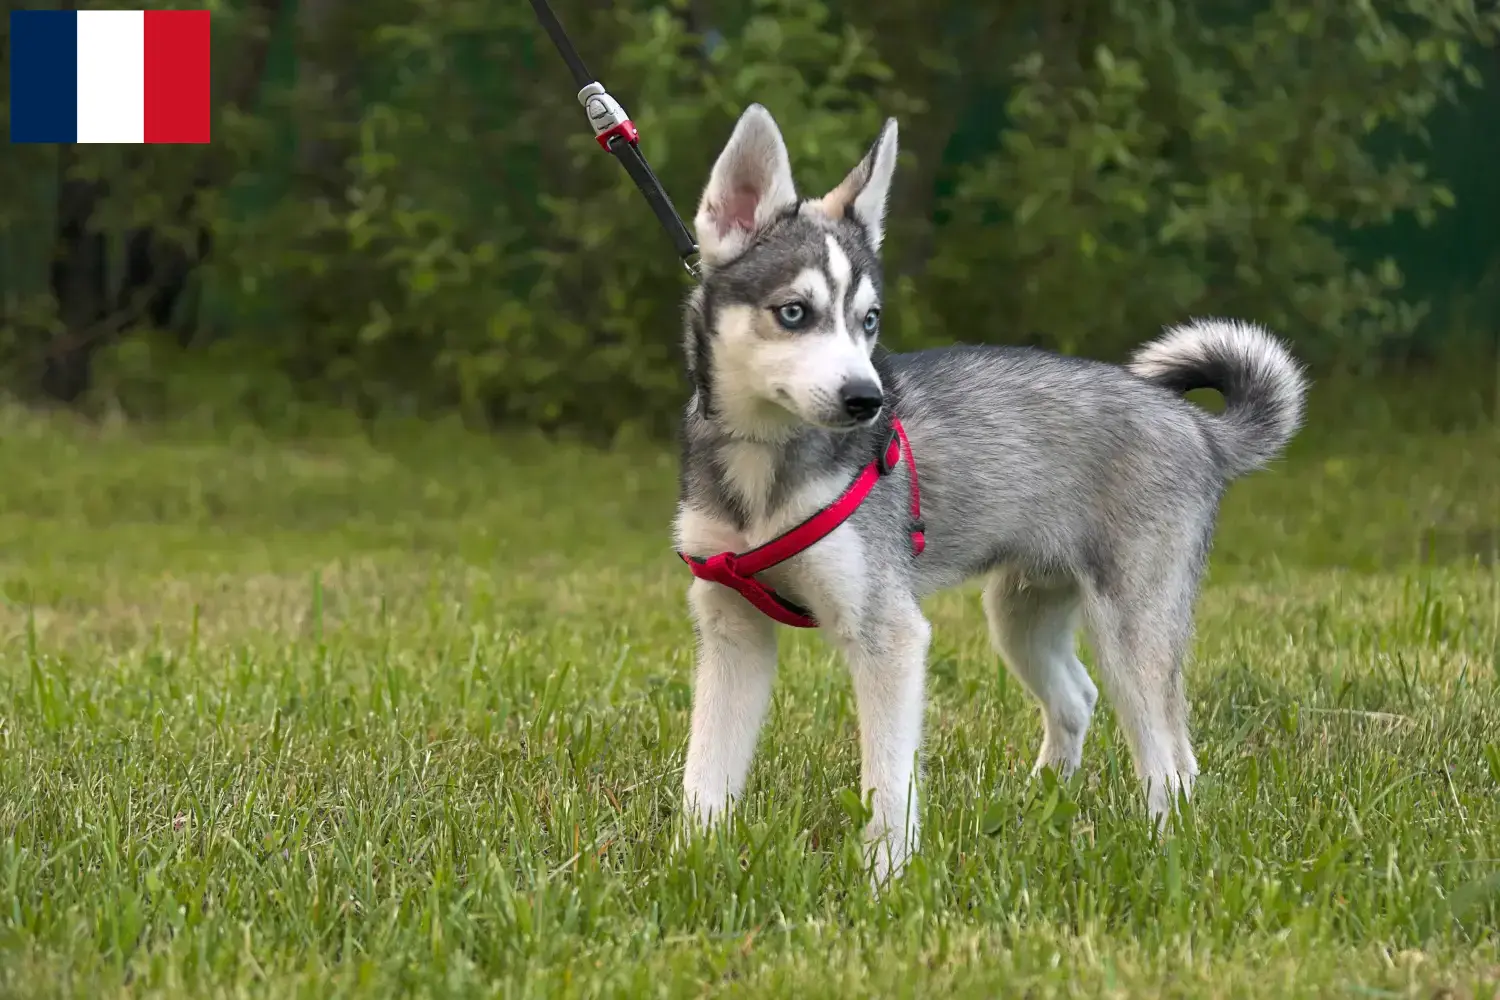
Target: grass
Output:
[(405, 712)]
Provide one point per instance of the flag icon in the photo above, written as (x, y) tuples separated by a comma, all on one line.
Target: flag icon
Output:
[(116, 76)]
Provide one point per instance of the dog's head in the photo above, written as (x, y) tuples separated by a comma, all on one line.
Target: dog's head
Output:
[(782, 329)]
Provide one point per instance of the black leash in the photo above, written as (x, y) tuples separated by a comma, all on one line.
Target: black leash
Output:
[(615, 132)]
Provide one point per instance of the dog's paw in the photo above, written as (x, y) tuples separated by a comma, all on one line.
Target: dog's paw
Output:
[(700, 816), (703, 811), (887, 852), (1165, 794)]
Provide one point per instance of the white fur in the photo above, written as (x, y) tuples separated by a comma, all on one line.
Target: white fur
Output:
[(751, 474)]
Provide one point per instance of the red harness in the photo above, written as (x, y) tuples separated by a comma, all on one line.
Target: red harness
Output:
[(738, 569)]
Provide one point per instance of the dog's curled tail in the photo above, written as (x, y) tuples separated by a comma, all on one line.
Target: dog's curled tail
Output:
[(1264, 388)]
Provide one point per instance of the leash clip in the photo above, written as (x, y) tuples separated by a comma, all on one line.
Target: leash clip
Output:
[(606, 116)]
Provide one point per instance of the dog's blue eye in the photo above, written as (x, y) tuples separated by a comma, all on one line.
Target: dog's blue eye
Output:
[(872, 321), (792, 315)]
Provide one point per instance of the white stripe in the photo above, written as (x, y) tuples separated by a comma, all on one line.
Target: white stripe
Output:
[(841, 271), (839, 267), (111, 76)]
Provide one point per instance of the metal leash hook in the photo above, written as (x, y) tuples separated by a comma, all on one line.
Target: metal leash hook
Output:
[(617, 135)]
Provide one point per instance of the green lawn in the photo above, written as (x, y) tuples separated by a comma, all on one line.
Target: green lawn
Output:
[(358, 715)]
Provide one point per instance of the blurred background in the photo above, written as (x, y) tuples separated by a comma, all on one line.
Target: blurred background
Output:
[(403, 210)]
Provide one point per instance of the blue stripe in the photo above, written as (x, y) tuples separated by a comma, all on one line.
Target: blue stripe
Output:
[(43, 76)]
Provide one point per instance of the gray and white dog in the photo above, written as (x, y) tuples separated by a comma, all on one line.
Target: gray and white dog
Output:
[(1071, 486)]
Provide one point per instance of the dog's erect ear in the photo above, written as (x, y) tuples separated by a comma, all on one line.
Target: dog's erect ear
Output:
[(862, 195), (751, 183)]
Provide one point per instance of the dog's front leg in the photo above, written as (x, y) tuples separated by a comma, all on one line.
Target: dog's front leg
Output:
[(888, 659), (736, 665)]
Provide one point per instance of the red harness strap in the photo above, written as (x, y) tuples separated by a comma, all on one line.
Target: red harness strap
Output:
[(738, 569)]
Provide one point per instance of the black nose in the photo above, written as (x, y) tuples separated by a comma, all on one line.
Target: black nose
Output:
[(862, 399)]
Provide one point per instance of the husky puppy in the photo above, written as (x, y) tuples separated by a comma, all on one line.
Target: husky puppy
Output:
[(1080, 492)]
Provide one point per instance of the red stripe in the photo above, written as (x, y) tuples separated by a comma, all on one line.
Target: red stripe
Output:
[(177, 76)]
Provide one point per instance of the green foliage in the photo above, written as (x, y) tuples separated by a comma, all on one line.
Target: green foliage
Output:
[(441, 275), (412, 218), (1166, 165)]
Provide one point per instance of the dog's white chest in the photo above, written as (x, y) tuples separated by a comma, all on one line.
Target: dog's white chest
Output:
[(750, 473)]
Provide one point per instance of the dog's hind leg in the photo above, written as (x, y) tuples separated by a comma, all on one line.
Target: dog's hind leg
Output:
[(1141, 632), (1034, 630), (732, 690)]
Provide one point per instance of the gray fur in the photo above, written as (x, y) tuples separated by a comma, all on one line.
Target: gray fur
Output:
[(1082, 492)]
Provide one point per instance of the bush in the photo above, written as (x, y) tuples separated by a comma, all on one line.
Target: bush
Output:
[(1180, 167), (413, 217)]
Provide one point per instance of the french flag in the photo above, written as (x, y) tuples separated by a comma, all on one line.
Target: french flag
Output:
[(120, 76)]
